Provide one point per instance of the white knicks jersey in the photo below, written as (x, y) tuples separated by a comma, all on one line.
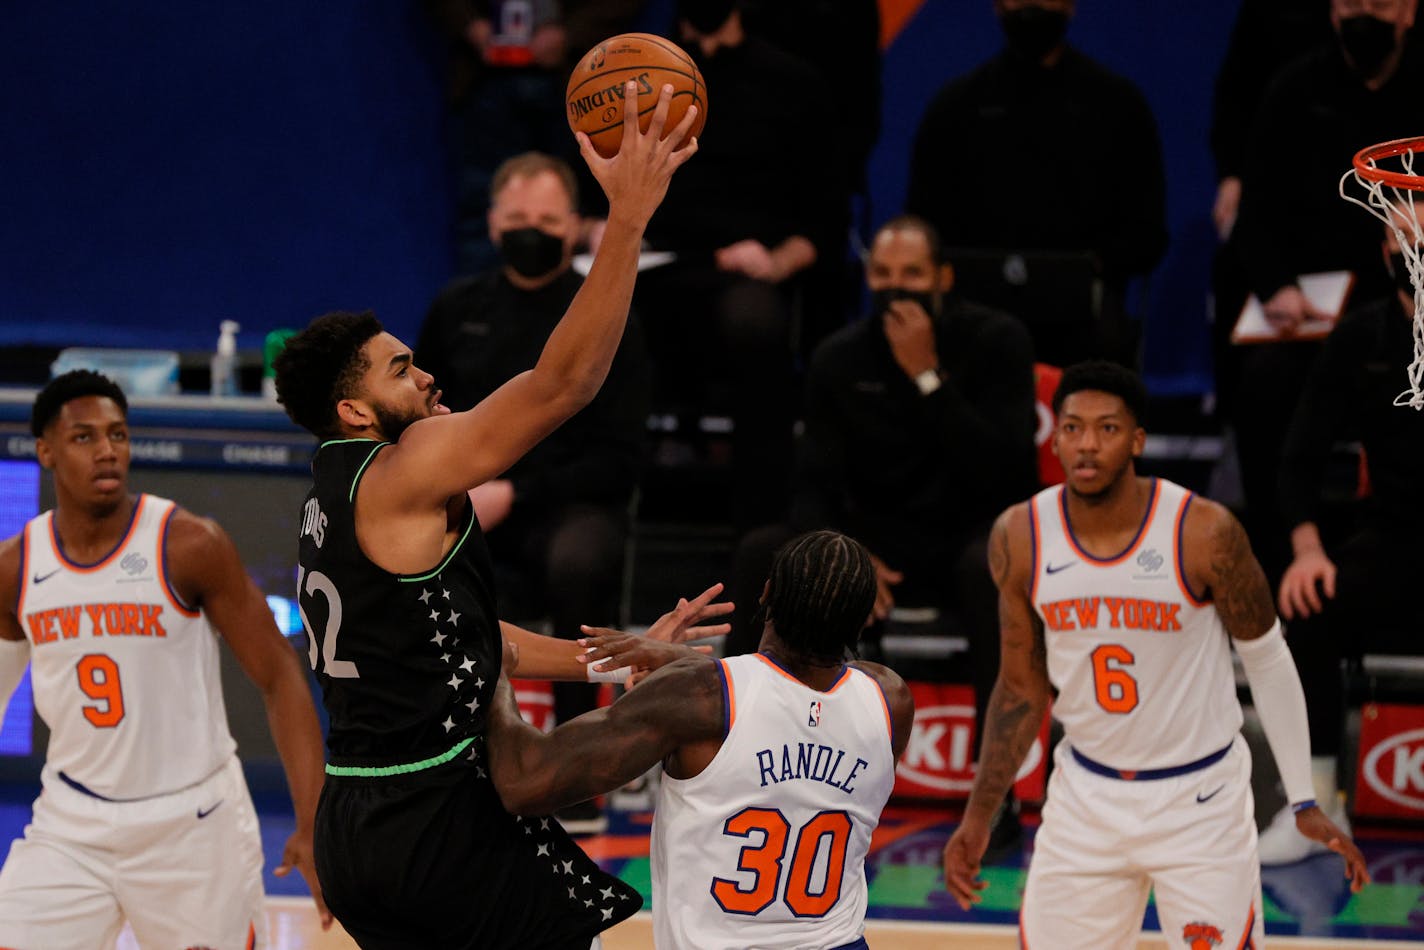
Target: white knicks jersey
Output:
[(1141, 662), (766, 847), (124, 674)]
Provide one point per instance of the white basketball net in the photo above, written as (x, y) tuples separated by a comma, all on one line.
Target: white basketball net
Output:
[(1399, 209)]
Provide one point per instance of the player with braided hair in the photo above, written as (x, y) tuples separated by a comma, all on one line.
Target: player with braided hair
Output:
[(777, 763)]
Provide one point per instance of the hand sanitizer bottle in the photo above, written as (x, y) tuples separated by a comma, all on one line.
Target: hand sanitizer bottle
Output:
[(224, 361)]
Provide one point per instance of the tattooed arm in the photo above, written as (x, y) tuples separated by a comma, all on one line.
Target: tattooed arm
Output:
[(536, 773), (1016, 706), (1220, 563), (1221, 566)]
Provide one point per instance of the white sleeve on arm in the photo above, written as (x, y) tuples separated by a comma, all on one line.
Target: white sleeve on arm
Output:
[(1280, 702), (14, 657)]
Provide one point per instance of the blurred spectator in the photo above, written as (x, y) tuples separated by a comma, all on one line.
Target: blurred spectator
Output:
[(741, 218), (509, 64), (841, 40), (557, 522), (1361, 89), (1041, 148), (919, 429), (1350, 591), (1267, 35)]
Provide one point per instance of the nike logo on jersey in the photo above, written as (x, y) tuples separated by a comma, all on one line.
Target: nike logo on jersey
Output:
[(1055, 568), (40, 579), (1206, 798), (203, 813)]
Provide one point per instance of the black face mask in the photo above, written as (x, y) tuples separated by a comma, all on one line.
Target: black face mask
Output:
[(880, 300), (530, 252), (1400, 269), (1034, 32), (1368, 42)]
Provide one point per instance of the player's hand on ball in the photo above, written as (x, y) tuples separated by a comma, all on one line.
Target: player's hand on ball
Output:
[(962, 854), (636, 179), (1312, 823)]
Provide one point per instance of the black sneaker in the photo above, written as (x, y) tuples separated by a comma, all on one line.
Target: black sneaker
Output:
[(582, 819)]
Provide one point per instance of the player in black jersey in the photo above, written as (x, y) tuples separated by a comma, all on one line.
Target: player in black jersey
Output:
[(396, 591)]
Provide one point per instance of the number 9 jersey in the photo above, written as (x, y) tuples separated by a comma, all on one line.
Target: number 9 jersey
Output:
[(125, 674), (766, 846)]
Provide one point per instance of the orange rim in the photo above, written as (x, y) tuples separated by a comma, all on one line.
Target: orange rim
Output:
[(1366, 163)]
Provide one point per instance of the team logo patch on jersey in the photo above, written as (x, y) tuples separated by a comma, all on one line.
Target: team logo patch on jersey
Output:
[(813, 718), (1200, 936), (133, 563), (1150, 563)]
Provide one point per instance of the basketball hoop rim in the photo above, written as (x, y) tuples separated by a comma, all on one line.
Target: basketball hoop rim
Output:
[(1382, 150)]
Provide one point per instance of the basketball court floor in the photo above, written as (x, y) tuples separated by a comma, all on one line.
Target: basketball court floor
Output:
[(1307, 905)]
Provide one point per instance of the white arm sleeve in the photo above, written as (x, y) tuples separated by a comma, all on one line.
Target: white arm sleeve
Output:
[(14, 657), (1280, 702)]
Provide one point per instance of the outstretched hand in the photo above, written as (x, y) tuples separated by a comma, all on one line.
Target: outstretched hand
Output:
[(1312, 823), (636, 179), (299, 853), (680, 624)]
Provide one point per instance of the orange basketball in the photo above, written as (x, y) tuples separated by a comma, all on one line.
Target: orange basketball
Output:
[(595, 93)]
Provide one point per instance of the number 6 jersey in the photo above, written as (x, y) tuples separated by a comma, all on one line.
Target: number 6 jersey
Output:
[(125, 675), (766, 846), (1141, 662)]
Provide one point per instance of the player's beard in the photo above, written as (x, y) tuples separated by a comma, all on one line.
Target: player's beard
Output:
[(393, 422)]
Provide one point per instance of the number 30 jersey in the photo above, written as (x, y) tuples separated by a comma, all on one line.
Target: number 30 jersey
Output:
[(766, 846), (1141, 662), (125, 674)]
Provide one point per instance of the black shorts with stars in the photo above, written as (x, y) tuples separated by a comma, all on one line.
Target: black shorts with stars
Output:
[(432, 860)]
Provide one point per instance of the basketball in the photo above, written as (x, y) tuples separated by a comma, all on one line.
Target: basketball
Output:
[(595, 93)]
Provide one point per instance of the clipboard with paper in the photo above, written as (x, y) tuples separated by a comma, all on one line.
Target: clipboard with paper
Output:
[(1327, 292)]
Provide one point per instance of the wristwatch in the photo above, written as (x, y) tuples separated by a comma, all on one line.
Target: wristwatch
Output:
[(928, 381)]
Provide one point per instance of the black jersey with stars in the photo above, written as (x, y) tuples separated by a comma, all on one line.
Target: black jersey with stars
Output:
[(407, 663)]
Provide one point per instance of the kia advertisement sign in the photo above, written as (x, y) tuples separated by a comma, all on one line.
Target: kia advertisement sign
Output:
[(939, 759), (1390, 779)]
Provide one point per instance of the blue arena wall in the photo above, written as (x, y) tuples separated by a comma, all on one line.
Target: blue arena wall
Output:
[(167, 165)]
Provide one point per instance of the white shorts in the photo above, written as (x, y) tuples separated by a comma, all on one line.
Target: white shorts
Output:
[(184, 869), (1105, 842)]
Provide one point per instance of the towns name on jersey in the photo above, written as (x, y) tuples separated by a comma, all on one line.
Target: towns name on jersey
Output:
[(114, 620), (1131, 613), (812, 762)]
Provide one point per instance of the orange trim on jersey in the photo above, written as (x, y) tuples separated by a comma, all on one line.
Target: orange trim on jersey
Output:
[(168, 590), (90, 568), (845, 675), (1250, 925), (1035, 540), (1132, 547), (885, 705), (1177, 536), (731, 696), (251, 935), (1023, 933)]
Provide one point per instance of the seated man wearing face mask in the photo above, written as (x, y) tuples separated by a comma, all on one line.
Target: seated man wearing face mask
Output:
[(919, 429), (557, 521)]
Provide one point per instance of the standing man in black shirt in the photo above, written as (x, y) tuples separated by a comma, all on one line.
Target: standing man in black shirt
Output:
[(557, 521), (744, 222), (1351, 591), (397, 593), (1041, 148)]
